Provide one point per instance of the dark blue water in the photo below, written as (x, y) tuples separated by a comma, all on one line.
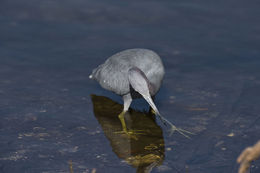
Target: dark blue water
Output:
[(54, 119)]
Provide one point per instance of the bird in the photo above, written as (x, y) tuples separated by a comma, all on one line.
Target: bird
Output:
[(134, 73)]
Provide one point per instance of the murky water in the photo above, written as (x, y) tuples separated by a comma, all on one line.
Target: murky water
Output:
[(54, 119)]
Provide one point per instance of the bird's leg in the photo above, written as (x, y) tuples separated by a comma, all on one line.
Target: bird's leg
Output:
[(151, 109), (127, 101)]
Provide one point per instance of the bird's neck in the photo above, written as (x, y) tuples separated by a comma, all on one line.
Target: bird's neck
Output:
[(151, 88)]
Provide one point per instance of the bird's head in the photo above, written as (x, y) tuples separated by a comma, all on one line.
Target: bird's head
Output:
[(141, 84)]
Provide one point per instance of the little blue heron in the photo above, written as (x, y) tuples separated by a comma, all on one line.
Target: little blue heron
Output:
[(133, 73)]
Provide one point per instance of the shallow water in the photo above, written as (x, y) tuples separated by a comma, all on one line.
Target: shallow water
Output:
[(54, 119)]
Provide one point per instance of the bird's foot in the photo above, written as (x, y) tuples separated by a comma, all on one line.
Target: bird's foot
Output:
[(173, 128), (153, 112), (133, 134), (181, 131)]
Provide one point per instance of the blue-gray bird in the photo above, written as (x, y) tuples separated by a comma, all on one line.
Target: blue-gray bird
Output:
[(133, 73)]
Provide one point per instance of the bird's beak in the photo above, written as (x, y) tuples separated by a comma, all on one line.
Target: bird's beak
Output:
[(151, 103)]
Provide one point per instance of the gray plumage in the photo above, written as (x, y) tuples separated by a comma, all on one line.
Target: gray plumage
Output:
[(113, 74), (133, 73)]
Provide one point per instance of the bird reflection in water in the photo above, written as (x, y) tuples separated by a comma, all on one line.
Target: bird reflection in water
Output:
[(145, 149)]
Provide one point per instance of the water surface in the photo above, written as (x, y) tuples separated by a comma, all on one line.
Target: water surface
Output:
[(54, 119)]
